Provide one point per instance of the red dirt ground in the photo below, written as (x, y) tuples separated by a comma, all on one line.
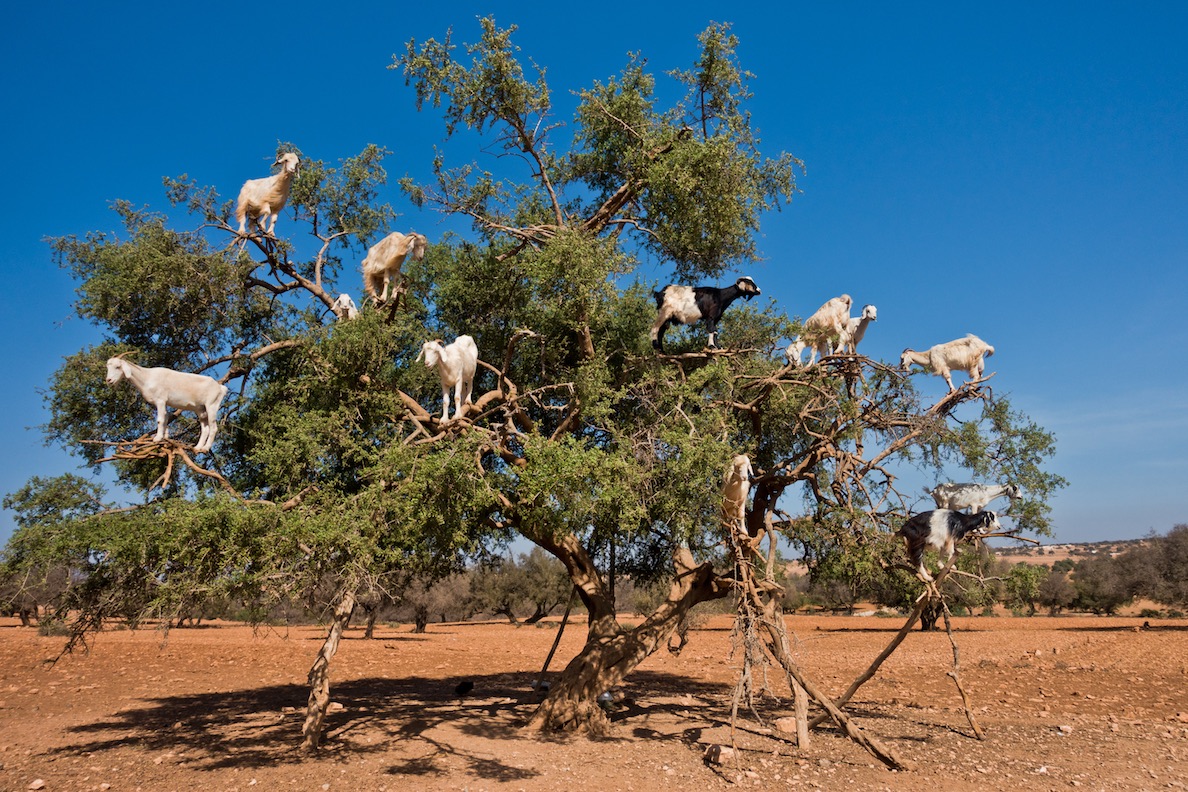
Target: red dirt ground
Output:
[(1068, 702)]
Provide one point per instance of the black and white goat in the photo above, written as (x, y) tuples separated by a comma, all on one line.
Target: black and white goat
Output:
[(690, 304), (943, 529)]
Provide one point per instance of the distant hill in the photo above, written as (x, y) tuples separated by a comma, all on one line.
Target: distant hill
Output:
[(1049, 554)]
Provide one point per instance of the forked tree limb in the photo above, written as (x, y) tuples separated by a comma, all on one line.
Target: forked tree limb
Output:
[(757, 599), (873, 668), (884, 753)]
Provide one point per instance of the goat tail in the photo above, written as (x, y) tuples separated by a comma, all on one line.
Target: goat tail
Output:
[(373, 282)]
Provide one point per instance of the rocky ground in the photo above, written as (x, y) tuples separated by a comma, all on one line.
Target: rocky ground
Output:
[(1066, 703)]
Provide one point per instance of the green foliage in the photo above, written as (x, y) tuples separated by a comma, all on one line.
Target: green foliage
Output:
[(1158, 568), (344, 200), (157, 291), (1100, 586), (56, 500), (1005, 445), (1021, 589), (1056, 591)]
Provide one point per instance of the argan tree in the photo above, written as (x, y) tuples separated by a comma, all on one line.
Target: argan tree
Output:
[(334, 476)]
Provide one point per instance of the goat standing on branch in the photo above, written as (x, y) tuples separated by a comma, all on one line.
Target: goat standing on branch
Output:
[(943, 529), (970, 496), (164, 388), (736, 484), (456, 364), (827, 325), (856, 329), (385, 258), (690, 304), (264, 198), (963, 354)]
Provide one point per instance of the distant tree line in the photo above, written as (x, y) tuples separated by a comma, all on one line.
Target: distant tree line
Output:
[(527, 588), (1155, 569)]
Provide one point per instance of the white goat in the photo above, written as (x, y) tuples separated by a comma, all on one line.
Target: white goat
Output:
[(736, 484), (162, 387), (974, 497), (385, 258), (821, 329), (344, 307), (456, 364), (856, 329), (963, 354), (264, 198)]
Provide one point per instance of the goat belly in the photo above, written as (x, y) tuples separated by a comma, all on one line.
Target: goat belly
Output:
[(942, 525), (685, 308)]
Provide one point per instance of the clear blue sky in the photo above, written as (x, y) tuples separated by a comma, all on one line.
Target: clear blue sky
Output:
[(1014, 170)]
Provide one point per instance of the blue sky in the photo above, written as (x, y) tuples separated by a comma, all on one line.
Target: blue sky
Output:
[(1014, 170)]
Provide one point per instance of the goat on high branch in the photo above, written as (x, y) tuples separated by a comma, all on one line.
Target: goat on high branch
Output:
[(942, 529), (974, 497), (164, 388), (855, 329), (689, 305), (963, 354), (736, 483), (384, 260), (261, 199), (456, 364), (344, 308), (824, 332)]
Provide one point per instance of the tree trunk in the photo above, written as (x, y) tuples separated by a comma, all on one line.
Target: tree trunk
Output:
[(611, 652), (319, 674)]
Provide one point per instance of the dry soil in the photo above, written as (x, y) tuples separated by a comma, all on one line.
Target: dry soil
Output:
[(1066, 703)]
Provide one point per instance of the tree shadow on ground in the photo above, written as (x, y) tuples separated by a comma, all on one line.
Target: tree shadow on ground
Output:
[(261, 726)]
